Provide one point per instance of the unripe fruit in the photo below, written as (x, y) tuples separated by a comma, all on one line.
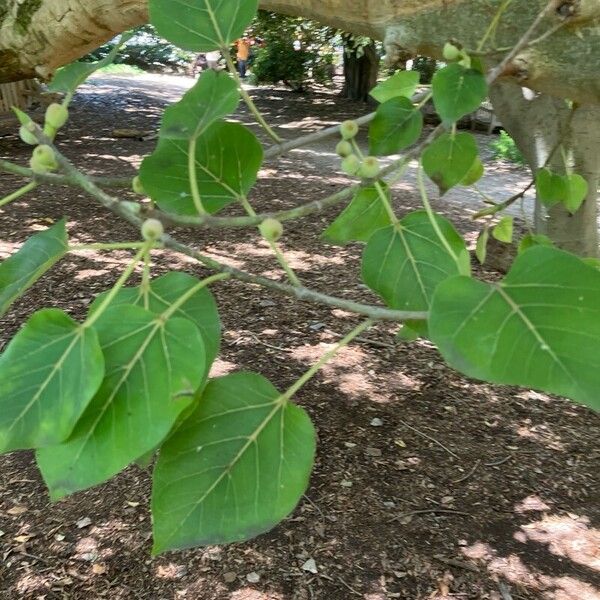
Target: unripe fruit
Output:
[(137, 186), (465, 61), (27, 136), (349, 129), (369, 169), (451, 52), (43, 160), (351, 164), (57, 115), (344, 149), (271, 230), (152, 230)]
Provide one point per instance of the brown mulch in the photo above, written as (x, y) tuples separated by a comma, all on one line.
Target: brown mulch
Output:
[(427, 484)]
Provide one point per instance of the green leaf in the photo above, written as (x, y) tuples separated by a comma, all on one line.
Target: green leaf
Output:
[(550, 187), (534, 239), (413, 330), (405, 264), (202, 25), (503, 231), (215, 95), (360, 219), (397, 125), (234, 469), (48, 374), (228, 157), (474, 174), (458, 91), (403, 83), (201, 309), (539, 328), (449, 159), (38, 254), (576, 188), (482, 243), (153, 367)]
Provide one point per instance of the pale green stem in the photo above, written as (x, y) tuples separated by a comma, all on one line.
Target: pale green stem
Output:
[(17, 194), (248, 99), (285, 265), (494, 24), (120, 283), (191, 292), (431, 215), (145, 287), (325, 359), (193, 177), (109, 246)]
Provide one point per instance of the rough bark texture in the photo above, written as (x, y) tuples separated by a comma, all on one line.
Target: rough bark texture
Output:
[(540, 124), (361, 68), (37, 36)]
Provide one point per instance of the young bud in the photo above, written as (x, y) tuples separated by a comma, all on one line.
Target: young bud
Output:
[(344, 149), (271, 230), (451, 52), (369, 169), (137, 186), (349, 129), (27, 136), (152, 230), (351, 164), (43, 160), (57, 115)]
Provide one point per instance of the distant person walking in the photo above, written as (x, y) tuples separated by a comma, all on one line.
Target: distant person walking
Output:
[(243, 54)]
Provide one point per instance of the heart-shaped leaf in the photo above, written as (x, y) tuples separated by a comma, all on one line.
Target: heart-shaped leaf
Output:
[(227, 159), (48, 375), (405, 264), (458, 91), (576, 188), (449, 159), (397, 125), (550, 187), (539, 328), (363, 217), (235, 468), (503, 231)]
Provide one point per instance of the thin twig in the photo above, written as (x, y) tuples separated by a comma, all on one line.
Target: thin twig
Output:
[(504, 591), (499, 462), (428, 437), (430, 511), (464, 478), (349, 587), (498, 70), (454, 562)]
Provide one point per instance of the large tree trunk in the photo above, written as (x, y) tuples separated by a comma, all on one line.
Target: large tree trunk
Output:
[(540, 125), (361, 68), (37, 36)]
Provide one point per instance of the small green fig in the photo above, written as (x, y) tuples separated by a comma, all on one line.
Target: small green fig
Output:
[(349, 129), (43, 159), (351, 164), (369, 169), (271, 230), (344, 149), (57, 115), (152, 230)]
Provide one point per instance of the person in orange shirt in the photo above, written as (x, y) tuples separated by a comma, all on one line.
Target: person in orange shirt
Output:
[(243, 53)]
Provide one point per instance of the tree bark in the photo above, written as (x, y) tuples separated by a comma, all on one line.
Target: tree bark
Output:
[(540, 125), (37, 36), (361, 68)]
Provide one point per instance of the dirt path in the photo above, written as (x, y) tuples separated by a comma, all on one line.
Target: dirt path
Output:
[(427, 484)]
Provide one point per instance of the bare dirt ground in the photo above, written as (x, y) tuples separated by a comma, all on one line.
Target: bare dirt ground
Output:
[(427, 484)]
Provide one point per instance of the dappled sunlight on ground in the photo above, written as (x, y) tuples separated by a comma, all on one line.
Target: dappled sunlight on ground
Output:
[(566, 539)]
